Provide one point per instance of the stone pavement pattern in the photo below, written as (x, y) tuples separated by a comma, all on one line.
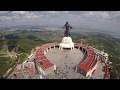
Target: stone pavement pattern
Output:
[(65, 60)]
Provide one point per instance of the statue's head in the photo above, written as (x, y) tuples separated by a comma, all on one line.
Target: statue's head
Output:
[(67, 22)]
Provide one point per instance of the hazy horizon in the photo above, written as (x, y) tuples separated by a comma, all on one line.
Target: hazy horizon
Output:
[(101, 20)]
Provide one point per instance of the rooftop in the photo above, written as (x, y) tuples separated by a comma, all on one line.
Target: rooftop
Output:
[(24, 71)]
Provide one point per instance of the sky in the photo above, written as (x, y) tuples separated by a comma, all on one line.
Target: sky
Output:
[(102, 20)]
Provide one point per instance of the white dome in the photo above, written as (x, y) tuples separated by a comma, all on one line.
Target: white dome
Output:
[(67, 42)]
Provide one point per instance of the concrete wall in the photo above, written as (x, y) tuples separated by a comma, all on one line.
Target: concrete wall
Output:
[(49, 70), (54, 67), (89, 73), (81, 71), (46, 71), (41, 71)]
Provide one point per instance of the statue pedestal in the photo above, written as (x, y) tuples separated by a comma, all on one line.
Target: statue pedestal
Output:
[(66, 43)]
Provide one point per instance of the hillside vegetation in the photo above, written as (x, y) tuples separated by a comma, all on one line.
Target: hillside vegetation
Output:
[(19, 46)]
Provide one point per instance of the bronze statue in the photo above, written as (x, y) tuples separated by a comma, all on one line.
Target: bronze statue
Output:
[(67, 26)]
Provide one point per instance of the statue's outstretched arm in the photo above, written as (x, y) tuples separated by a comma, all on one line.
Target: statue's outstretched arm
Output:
[(70, 27)]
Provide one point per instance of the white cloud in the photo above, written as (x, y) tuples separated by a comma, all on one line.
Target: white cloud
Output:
[(20, 12), (4, 18), (26, 14), (53, 12), (115, 15), (3, 12), (97, 14), (19, 15)]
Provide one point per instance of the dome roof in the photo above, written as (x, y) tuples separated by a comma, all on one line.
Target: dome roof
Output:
[(67, 40)]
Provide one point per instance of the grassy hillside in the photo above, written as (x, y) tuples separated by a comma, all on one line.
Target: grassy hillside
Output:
[(5, 64), (24, 45), (32, 35), (102, 42), (19, 46)]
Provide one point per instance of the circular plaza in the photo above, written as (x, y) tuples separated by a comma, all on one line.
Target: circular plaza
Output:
[(66, 62)]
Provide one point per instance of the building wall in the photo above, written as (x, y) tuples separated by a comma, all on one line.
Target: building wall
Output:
[(46, 71), (81, 71), (54, 67), (49, 70), (41, 70), (89, 73)]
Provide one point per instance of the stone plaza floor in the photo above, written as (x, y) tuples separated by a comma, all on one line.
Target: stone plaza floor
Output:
[(65, 61)]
